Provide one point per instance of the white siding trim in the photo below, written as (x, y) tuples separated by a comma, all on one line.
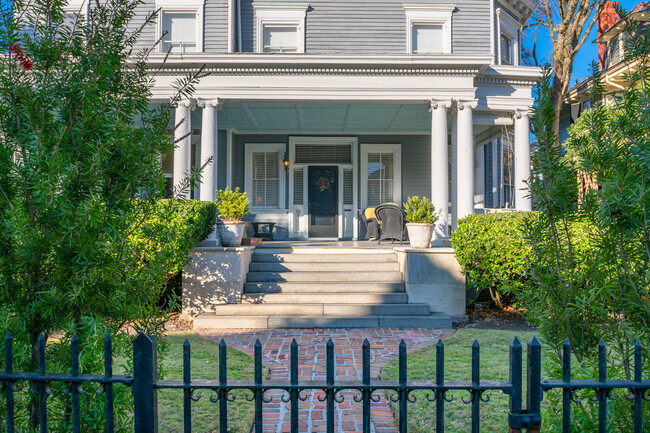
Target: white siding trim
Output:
[(396, 149), (429, 14), (248, 173)]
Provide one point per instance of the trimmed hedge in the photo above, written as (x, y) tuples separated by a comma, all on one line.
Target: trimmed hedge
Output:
[(493, 253), (172, 228)]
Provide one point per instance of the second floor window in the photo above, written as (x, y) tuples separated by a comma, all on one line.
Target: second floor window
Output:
[(280, 39), (427, 38), (506, 50), (179, 29)]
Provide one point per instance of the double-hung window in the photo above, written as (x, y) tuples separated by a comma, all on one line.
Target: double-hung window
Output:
[(381, 174), (508, 42), (428, 28), (280, 27), (265, 176), (180, 26)]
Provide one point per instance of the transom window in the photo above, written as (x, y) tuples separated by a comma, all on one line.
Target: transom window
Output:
[(280, 39), (179, 32)]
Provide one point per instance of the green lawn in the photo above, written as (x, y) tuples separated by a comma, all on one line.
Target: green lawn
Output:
[(458, 354), (205, 365)]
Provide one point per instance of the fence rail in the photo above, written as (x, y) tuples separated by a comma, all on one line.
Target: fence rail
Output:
[(145, 384)]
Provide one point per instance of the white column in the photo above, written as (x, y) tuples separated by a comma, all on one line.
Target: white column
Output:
[(183, 149), (440, 166), (209, 149), (465, 159), (495, 172), (454, 170), (522, 161), (479, 177)]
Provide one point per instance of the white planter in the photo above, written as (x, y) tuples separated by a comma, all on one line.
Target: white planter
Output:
[(420, 234), (231, 232)]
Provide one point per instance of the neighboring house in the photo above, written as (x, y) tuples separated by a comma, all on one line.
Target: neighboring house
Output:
[(613, 33), (368, 101)]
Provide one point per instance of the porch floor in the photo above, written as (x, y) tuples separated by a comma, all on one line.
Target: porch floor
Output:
[(325, 243)]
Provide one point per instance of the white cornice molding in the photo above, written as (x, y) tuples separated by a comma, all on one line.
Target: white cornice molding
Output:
[(300, 62)]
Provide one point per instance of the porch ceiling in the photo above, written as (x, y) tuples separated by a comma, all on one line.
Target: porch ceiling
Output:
[(325, 118), (330, 118)]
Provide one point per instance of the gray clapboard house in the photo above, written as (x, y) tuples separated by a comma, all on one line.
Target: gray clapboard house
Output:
[(384, 99)]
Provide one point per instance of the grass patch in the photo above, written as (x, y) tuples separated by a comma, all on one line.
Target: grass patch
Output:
[(458, 361), (205, 365)]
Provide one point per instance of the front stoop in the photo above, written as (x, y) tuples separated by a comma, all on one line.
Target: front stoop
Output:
[(323, 288)]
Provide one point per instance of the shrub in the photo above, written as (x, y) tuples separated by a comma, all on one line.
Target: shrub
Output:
[(493, 253), (232, 205), (420, 211), (170, 231)]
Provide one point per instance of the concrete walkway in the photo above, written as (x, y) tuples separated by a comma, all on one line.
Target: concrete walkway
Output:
[(384, 343)]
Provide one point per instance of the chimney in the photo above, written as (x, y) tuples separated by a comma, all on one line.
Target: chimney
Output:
[(606, 20)]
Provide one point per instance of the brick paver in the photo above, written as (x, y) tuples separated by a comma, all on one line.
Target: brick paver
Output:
[(384, 345)]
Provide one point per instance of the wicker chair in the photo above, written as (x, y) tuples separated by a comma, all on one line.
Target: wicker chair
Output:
[(372, 225), (392, 220)]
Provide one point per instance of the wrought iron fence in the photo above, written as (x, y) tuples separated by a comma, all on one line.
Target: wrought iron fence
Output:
[(145, 385)]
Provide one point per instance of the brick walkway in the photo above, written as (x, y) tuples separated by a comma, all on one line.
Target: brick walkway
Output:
[(384, 344)]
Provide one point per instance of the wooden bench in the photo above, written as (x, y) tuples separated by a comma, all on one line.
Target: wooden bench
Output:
[(256, 227)]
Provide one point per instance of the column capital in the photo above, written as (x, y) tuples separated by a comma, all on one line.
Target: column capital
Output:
[(214, 103), (466, 103), (522, 112), (434, 104), (187, 103)]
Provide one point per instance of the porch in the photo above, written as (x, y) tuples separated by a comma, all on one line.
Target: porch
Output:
[(364, 153)]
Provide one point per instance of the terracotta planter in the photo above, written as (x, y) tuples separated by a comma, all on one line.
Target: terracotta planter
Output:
[(231, 232), (420, 234)]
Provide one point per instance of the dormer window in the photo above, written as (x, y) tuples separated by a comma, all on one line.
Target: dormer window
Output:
[(428, 28), (280, 27), (180, 26)]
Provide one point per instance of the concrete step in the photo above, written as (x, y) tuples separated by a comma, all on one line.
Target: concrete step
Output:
[(320, 250), (323, 267), (321, 309), (433, 320), (301, 287), (211, 320), (325, 298), (323, 276), (323, 322), (300, 257)]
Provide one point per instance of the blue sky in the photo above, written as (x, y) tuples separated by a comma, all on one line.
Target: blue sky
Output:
[(587, 54)]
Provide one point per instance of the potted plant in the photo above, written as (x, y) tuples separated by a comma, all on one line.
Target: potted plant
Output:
[(232, 206), (421, 215)]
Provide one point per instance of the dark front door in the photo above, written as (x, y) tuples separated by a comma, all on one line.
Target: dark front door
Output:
[(323, 202)]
